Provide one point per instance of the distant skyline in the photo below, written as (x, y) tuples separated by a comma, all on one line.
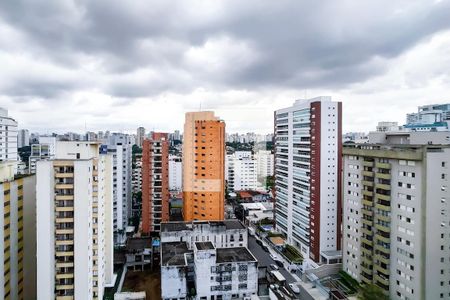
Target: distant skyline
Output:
[(98, 65)]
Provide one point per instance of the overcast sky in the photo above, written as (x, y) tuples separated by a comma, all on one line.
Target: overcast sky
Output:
[(117, 65)]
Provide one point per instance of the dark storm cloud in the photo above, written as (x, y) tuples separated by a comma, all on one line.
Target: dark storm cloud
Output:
[(294, 44)]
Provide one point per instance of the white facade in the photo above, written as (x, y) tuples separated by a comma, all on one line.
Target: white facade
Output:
[(120, 147), (23, 138), (396, 219), (224, 234), (308, 136), (136, 178), (8, 137), (46, 149), (241, 171), (209, 256), (74, 228), (175, 173), (265, 163)]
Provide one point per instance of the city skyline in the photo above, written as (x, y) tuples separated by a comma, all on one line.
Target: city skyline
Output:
[(122, 77)]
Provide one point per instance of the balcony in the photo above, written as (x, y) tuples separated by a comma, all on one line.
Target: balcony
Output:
[(64, 175), (381, 280), (382, 186), (383, 165), (64, 231), (64, 208), (383, 207), (382, 259), (366, 241), (64, 276), (367, 163), (64, 253), (367, 222), (64, 264), (64, 197), (367, 212), (368, 173), (367, 183), (367, 202), (64, 242), (383, 176), (383, 197), (64, 186), (367, 193), (64, 220), (382, 249), (382, 227)]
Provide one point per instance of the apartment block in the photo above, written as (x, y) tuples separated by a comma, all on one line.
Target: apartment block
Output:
[(396, 221), (74, 222), (241, 171), (136, 177), (8, 136), (203, 167), (307, 176), (265, 163), (201, 260), (23, 138), (120, 147), (46, 149), (175, 173), (155, 182), (17, 251)]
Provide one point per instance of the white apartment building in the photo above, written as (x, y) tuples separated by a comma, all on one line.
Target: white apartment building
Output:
[(23, 138), (120, 147), (46, 149), (209, 257), (396, 220), (307, 176), (241, 171), (136, 175), (8, 137), (175, 173), (74, 222), (265, 163)]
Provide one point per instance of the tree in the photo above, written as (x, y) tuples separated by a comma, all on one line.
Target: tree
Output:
[(372, 292)]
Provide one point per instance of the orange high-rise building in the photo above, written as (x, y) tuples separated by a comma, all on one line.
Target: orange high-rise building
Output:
[(203, 167), (155, 182)]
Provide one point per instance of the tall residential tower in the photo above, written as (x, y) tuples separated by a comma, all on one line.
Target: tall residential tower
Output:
[(155, 182), (307, 176), (203, 167)]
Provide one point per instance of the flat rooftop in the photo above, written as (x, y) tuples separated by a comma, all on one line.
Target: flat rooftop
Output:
[(237, 254), (173, 253), (204, 245), (139, 244), (174, 226), (233, 224)]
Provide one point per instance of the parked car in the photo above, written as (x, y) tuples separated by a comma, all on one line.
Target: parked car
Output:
[(259, 242), (279, 263), (274, 267), (265, 248), (294, 288), (273, 256)]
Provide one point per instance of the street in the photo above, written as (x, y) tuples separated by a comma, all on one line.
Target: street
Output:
[(264, 259)]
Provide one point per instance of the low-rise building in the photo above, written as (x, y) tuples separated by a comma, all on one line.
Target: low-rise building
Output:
[(227, 233), (213, 273), (138, 255)]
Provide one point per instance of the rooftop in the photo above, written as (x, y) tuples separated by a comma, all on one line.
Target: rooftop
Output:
[(238, 254), (173, 253), (139, 244), (204, 245), (174, 226)]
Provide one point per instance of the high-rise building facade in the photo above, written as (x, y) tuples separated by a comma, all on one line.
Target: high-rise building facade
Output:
[(307, 175), (203, 167), (241, 170), (155, 182), (140, 136), (8, 136), (17, 256), (23, 138), (120, 147), (396, 221), (433, 117), (74, 222), (175, 173), (265, 163)]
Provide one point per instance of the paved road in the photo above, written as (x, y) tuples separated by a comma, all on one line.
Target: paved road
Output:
[(264, 259)]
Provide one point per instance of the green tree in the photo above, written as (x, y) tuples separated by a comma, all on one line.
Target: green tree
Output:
[(372, 292)]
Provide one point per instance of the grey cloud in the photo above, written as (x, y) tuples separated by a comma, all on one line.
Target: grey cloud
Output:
[(307, 44)]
